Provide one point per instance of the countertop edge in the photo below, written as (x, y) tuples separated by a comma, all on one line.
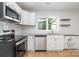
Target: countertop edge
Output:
[(48, 34)]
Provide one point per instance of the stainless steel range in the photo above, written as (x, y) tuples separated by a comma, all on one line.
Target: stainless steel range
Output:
[(11, 43), (7, 45)]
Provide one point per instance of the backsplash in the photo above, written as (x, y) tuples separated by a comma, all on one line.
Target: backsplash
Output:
[(8, 26)]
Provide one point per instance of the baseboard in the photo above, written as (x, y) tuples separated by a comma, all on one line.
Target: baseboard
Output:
[(70, 49), (21, 50), (30, 50), (40, 50)]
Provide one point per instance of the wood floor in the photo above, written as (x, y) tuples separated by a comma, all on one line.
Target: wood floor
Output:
[(65, 53)]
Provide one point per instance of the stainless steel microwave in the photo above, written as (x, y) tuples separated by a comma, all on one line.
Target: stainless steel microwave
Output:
[(7, 13), (11, 13)]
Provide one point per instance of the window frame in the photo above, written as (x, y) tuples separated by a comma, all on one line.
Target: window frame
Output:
[(47, 28)]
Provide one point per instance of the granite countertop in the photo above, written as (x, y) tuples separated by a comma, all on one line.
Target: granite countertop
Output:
[(64, 34), (21, 34), (25, 34), (71, 35)]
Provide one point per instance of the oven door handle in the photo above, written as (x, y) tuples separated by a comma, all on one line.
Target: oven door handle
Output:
[(10, 40), (18, 43)]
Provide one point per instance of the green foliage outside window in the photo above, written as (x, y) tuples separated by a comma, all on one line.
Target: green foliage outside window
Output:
[(42, 25), (51, 22)]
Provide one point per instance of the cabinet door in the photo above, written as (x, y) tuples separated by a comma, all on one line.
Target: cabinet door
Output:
[(77, 42), (71, 42), (74, 42), (32, 18), (51, 42), (59, 42), (30, 43), (25, 18)]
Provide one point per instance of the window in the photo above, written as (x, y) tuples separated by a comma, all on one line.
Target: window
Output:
[(42, 24), (52, 24), (48, 23)]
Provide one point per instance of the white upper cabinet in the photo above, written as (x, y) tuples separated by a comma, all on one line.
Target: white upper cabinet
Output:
[(27, 18), (32, 18)]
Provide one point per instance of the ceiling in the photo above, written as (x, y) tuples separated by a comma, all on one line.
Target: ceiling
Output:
[(49, 6)]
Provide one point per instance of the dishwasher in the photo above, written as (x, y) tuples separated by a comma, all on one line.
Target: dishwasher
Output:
[(40, 42)]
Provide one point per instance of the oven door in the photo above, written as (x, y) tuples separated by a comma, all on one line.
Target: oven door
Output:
[(21, 48)]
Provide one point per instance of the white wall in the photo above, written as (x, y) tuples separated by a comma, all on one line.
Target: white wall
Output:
[(73, 29)]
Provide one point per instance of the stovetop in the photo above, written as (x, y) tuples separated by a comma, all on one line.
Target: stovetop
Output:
[(19, 37)]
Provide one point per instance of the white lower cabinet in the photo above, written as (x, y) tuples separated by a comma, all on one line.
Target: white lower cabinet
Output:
[(71, 42), (30, 43), (55, 42), (60, 42), (77, 42)]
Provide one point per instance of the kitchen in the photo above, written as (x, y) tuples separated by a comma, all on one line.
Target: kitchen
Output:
[(34, 29)]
